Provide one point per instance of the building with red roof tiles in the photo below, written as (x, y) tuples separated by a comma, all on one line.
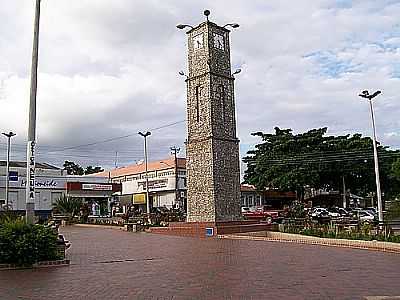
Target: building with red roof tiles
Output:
[(167, 183)]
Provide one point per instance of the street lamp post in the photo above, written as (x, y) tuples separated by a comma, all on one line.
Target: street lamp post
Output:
[(175, 151), (31, 146), (145, 135), (366, 95), (9, 136)]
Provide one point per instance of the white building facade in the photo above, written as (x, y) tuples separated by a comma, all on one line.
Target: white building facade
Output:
[(49, 186)]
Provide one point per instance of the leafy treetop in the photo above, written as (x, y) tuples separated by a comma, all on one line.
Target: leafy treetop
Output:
[(294, 161), (75, 169)]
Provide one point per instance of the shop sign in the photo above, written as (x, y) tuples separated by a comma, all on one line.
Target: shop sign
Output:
[(13, 176), (96, 187), (154, 184), (139, 199), (42, 184)]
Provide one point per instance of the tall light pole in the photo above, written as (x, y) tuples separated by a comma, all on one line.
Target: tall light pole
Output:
[(30, 158), (366, 95), (145, 135), (9, 136), (175, 151)]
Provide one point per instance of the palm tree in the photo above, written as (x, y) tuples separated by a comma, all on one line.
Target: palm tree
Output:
[(68, 205)]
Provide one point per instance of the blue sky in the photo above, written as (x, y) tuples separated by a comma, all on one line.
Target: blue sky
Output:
[(110, 68)]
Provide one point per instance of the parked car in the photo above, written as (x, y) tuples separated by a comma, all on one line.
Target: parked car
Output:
[(372, 210), (319, 211), (334, 212), (264, 212), (365, 216), (320, 214), (343, 212)]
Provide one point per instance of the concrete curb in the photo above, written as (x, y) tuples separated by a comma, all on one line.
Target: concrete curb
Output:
[(99, 226), (41, 264), (311, 240)]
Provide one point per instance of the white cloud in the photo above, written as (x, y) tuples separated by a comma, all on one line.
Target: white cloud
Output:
[(110, 68)]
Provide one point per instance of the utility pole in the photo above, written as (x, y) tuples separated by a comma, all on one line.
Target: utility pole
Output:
[(9, 136), (175, 151), (145, 135), (116, 159), (365, 94), (31, 146)]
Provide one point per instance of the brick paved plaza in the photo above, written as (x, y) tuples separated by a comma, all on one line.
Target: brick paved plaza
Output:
[(112, 264)]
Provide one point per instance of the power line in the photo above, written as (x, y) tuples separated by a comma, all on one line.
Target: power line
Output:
[(118, 137), (57, 149)]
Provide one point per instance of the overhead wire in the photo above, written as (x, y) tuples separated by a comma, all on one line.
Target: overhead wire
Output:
[(57, 149)]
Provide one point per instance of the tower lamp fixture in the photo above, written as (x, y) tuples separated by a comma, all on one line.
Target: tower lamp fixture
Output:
[(237, 71), (183, 74), (233, 25), (183, 26)]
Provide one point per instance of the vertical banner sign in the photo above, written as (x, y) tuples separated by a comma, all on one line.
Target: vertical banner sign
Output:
[(30, 173)]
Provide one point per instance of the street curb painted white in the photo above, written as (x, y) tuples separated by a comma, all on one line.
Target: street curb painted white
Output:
[(311, 240)]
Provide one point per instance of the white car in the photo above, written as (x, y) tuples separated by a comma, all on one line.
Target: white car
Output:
[(319, 212), (334, 212), (365, 216)]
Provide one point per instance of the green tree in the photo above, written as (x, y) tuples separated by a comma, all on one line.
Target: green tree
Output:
[(92, 170), (396, 169), (294, 161), (73, 168)]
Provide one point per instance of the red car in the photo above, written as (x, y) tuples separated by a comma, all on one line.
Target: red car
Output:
[(263, 212)]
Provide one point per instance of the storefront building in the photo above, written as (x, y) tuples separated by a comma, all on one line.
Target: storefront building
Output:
[(97, 193), (51, 183), (167, 183)]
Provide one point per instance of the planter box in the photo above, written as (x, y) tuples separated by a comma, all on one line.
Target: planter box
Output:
[(41, 264)]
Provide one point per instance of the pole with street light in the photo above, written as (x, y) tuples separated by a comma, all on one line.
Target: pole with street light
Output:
[(366, 95), (9, 136), (31, 146), (175, 151), (145, 135)]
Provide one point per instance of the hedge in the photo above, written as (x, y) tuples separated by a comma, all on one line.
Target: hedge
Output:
[(23, 244)]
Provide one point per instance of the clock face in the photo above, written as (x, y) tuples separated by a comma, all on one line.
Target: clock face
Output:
[(198, 41), (219, 41)]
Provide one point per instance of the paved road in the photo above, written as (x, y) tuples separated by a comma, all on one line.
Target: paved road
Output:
[(112, 264)]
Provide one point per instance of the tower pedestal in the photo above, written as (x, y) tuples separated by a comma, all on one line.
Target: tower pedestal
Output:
[(211, 229)]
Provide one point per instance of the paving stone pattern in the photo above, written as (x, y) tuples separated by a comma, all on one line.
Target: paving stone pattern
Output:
[(113, 264)]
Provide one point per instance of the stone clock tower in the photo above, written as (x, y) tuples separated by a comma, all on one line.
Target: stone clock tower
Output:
[(212, 146)]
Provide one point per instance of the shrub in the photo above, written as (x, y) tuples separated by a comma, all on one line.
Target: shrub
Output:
[(23, 244), (296, 210), (68, 205), (393, 211), (8, 216), (365, 232)]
